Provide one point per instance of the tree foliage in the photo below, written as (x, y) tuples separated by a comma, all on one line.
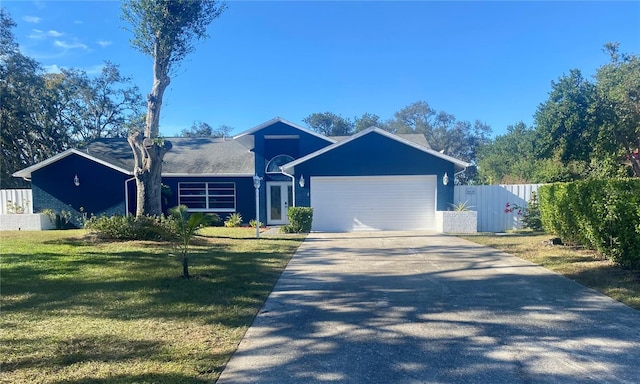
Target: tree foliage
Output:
[(166, 31), (42, 114), (595, 124), (201, 129), (330, 124)]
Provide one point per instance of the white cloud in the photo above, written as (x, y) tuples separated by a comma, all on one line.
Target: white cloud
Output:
[(52, 68), (104, 43), (69, 45), (37, 34), (32, 19)]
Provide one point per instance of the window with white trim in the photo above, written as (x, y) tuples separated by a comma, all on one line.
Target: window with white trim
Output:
[(208, 196)]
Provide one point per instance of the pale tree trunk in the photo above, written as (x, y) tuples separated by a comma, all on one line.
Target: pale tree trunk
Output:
[(148, 149)]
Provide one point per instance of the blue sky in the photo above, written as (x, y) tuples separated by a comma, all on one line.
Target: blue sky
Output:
[(488, 61)]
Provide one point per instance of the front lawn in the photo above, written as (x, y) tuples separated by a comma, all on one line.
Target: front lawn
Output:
[(578, 264), (77, 310)]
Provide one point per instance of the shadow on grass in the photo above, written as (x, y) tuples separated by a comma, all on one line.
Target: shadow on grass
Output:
[(78, 349), (113, 285)]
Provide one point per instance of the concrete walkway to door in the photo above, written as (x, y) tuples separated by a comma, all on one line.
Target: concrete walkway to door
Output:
[(409, 307)]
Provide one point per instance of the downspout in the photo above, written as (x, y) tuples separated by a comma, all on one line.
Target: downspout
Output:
[(293, 185), (126, 196)]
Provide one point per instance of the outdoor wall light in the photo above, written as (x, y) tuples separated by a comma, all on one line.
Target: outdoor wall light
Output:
[(301, 181), (76, 181), (445, 179)]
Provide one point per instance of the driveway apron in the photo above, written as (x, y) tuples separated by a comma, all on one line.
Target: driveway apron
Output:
[(410, 307)]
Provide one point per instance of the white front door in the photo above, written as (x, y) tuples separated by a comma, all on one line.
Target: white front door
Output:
[(279, 198)]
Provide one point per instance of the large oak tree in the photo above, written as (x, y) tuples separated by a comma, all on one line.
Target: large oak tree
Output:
[(165, 31)]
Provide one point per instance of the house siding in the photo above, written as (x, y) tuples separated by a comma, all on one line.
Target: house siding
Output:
[(101, 189), (377, 155)]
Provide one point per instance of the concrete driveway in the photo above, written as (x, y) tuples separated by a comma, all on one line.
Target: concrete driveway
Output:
[(405, 307)]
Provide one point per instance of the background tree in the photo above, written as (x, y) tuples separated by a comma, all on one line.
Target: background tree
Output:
[(25, 110), (618, 88), (42, 114), (509, 158), (201, 129), (443, 131), (93, 108), (165, 31), (329, 124), (594, 126), (368, 120)]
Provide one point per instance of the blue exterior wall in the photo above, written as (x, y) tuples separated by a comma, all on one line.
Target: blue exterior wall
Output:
[(305, 145), (101, 189), (376, 155), (245, 194)]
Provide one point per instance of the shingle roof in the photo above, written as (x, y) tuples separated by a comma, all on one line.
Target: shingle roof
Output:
[(196, 156)]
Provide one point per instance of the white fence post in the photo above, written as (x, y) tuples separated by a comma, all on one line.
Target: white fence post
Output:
[(489, 201), (16, 197)]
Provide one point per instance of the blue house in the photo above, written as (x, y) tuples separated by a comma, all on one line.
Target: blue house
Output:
[(373, 180)]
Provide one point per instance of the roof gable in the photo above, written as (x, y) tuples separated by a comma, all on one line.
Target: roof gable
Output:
[(375, 130), (26, 173), (246, 137)]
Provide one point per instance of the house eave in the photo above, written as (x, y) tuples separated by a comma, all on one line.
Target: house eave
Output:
[(458, 163), (26, 173)]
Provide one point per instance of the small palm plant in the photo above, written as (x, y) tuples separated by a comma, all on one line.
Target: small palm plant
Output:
[(187, 224)]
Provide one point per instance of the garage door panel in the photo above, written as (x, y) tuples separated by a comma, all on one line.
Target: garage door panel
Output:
[(373, 203)]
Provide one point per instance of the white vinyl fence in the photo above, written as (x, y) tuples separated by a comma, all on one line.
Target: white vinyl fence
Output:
[(15, 201), (490, 200)]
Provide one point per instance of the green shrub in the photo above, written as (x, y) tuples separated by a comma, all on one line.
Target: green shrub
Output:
[(133, 228), (530, 214), (213, 220), (300, 219), (59, 220), (233, 220), (252, 223), (598, 214)]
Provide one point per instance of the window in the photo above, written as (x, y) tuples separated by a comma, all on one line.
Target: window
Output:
[(208, 197), (274, 164)]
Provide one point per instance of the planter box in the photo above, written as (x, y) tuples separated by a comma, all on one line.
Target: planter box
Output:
[(25, 222), (457, 221)]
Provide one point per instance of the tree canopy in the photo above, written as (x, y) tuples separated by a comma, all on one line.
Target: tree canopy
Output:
[(586, 128), (42, 114)]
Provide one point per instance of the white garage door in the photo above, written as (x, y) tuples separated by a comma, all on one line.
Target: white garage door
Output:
[(366, 203)]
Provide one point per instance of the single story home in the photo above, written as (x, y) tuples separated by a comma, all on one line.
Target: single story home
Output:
[(373, 180)]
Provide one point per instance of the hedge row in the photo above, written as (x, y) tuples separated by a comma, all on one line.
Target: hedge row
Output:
[(599, 214)]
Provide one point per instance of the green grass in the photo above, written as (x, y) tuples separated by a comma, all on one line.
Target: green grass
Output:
[(581, 265), (77, 310)]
